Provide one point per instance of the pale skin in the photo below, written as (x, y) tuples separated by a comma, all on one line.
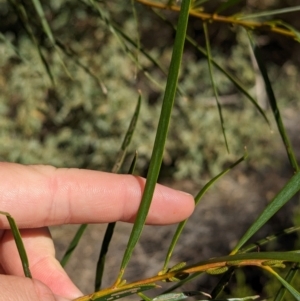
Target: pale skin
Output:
[(39, 196)]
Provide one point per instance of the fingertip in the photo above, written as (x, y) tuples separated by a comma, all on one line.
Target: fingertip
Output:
[(170, 206), (189, 203)]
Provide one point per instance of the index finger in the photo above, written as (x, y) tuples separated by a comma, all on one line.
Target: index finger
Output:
[(39, 195)]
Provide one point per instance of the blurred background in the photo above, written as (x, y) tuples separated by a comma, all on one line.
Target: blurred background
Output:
[(73, 109)]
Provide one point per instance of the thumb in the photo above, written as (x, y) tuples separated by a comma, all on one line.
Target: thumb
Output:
[(25, 289), (43, 264)]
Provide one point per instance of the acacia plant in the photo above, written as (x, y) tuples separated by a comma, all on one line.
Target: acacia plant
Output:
[(59, 61)]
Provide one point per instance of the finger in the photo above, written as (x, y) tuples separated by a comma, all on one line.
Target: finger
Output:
[(42, 262), (25, 289), (43, 195)]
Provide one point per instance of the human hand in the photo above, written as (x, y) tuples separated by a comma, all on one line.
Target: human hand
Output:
[(39, 196)]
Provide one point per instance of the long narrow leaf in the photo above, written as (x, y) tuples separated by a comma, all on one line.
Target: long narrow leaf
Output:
[(119, 161), (107, 239), (288, 278), (198, 197), (213, 83), (73, 244), (273, 103), (19, 243), (102, 256), (291, 289), (286, 193), (39, 9), (268, 239), (128, 137), (161, 135)]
